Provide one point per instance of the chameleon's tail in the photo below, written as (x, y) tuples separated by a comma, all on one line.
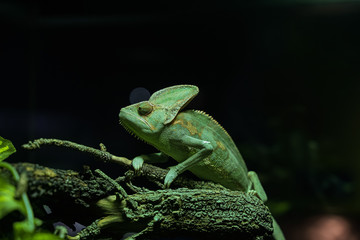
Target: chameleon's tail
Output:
[(277, 234)]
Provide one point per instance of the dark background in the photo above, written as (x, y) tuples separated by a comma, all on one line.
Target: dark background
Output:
[(281, 76)]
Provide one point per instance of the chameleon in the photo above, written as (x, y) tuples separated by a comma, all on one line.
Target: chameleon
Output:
[(193, 138)]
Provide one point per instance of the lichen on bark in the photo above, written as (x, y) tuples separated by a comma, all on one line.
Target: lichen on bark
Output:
[(111, 208), (186, 212)]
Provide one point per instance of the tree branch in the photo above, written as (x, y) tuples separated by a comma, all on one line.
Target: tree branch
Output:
[(205, 211)]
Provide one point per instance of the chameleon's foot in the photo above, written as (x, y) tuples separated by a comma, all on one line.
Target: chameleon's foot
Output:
[(170, 176), (137, 164)]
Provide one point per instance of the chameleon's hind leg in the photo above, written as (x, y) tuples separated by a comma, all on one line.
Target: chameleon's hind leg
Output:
[(255, 185)]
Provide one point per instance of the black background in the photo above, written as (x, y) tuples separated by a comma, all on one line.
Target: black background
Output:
[(281, 76)]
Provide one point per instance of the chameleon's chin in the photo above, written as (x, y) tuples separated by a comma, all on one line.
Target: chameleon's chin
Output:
[(132, 123), (125, 118)]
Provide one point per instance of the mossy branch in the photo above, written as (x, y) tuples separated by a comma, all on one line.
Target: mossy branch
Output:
[(202, 209), (151, 172), (86, 197)]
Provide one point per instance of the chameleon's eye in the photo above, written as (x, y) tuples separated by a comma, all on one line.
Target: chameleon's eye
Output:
[(145, 108)]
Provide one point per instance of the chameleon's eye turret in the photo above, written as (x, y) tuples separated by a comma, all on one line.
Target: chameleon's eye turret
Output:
[(145, 108)]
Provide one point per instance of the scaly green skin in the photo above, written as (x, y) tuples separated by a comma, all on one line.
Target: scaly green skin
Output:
[(192, 138), (223, 165)]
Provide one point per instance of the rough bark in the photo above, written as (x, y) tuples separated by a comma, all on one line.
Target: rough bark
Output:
[(86, 197), (112, 208), (198, 213)]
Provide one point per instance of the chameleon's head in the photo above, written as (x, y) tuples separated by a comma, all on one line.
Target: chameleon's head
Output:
[(148, 118), (142, 119)]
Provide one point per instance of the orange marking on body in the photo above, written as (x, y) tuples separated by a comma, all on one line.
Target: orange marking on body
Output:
[(220, 145), (192, 129)]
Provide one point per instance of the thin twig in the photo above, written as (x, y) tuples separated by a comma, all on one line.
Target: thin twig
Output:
[(101, 154)]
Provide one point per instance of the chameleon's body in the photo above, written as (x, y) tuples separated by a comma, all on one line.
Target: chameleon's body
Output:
[(192, 138), (224, 165)]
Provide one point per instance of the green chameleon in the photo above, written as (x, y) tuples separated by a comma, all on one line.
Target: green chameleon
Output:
[(192, 138)]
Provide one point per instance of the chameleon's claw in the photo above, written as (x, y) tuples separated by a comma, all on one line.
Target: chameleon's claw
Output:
[(137, 164), (170, 177), (254, 193)]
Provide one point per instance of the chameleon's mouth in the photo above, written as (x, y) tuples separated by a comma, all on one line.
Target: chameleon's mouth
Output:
[(126, 128), (126, 123), (130, 131)]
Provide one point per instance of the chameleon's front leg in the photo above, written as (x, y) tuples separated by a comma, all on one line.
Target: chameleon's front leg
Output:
[(138, 161), (205, 149)]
